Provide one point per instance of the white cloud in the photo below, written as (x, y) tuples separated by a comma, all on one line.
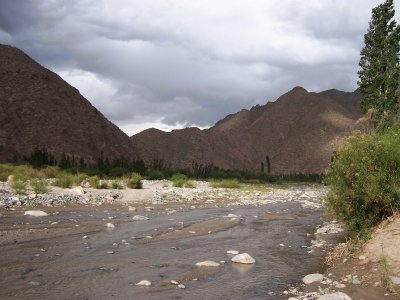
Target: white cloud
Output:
[(179, 63)]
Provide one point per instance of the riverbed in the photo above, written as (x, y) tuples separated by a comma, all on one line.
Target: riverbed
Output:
[(73, 254)]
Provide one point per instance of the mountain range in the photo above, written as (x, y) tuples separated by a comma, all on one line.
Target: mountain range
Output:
[(296, 133)]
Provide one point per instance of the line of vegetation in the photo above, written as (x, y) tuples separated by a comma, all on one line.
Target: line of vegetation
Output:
[(225, 183)]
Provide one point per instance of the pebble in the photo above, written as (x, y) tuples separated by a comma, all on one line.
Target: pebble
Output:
[(310, 278), (243, 258), (174, 282), (110, 225), (181, 286), (36, 213), (132, 208), (110, 252), (139, 218), (335, 296), (234, 252), (85, 237), (144, 283), (207, 263), (34, 283)]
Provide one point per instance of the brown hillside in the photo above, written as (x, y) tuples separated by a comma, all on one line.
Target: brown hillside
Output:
[(297, 131), (39, 109)]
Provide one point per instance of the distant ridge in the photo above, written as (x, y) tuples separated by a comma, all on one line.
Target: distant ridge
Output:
[(39, 109), (297, 132)]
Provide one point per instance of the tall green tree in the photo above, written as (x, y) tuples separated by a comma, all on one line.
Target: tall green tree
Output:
[(380, 71)]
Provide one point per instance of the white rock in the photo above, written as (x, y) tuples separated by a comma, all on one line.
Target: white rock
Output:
[(231, 216), (78, 190), (85, 237), (362, 257), (144, 283), (139, 218), (110, 225), (335, 296), (395, 280), (181, 286), (32, 196), (174, 282), (132, 208), (243, 258), (234, 252), (207, 263), (310, 278), (35, 213)]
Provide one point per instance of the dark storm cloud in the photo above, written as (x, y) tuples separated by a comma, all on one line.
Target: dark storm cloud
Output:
[(189, 62)]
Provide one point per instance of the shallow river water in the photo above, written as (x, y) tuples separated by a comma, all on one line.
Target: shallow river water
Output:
[(69, 266)]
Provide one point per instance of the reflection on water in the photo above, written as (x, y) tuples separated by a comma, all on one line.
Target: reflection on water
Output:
[(109, 263)]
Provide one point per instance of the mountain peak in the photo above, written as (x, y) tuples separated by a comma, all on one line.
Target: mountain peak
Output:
[(38, 109)]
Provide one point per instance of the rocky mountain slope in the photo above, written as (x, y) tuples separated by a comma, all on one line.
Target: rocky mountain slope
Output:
[(297, 132), (39, 109)]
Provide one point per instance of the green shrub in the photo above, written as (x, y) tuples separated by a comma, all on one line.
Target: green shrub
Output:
[(365, 177), (65, 180), (19, 186), (117, 184), (226, 183), (25, 172), (93, 181), (51, 171), (5, 171), (189, 184), (135, 181), (102, 184), (178, 176), (155, 175), (179, 180), (39, 186)]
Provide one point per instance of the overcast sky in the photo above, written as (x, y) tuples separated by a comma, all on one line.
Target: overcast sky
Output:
[(176, 63)]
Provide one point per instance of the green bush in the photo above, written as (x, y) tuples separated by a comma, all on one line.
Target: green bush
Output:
[(25, 172), (117, 184), (189, 184), (102, 184), (226, 183), (365, 177), (65, 180), (51, 171), (135, 181), (39, 186), (93, 181), (19, 186), (5, 171), (181, 180), (155, 175)]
